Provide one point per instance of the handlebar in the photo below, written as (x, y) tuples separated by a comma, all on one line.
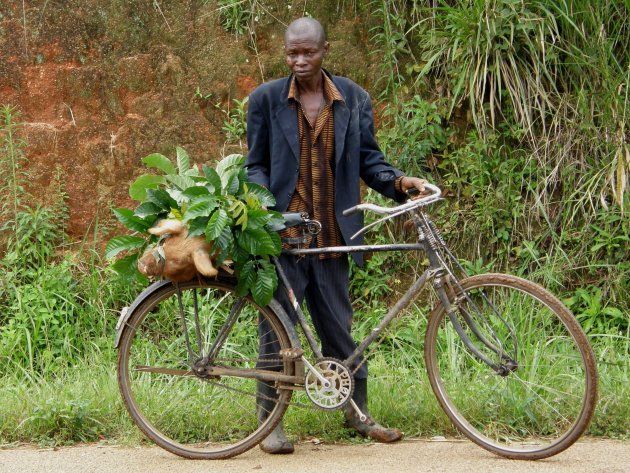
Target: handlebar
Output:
[(410, 204), (391, 212)]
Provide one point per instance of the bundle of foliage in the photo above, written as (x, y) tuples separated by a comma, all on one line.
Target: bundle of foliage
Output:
[(218, 203)]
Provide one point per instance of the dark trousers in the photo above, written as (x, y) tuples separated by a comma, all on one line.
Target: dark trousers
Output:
[(324, 285)]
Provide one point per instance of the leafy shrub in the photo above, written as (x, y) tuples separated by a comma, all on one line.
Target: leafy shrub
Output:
[(415, 132), (218, 203)]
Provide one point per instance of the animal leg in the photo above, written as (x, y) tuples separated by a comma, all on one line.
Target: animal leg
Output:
[(203, 263)]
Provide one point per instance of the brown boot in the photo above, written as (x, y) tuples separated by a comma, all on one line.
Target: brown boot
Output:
[(369, 427), (276, 442)]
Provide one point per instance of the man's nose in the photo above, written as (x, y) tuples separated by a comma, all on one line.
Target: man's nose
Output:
[(300, 60)]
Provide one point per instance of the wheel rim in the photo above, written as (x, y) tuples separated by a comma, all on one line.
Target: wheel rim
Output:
[(189, 415), (546, 403)]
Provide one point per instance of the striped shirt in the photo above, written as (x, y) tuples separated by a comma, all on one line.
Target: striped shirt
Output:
[(315, 188)]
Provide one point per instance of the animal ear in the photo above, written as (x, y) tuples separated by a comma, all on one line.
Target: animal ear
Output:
[(203, 263), (174, 227)]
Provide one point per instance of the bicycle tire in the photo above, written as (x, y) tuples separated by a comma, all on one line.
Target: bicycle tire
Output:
[(545, 404), (188, 415)]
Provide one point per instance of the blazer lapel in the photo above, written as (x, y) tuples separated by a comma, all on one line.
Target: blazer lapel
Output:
[(341, 114), (286, 118), (342, 117)]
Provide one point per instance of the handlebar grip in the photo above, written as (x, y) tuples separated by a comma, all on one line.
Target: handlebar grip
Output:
[(427, 187)]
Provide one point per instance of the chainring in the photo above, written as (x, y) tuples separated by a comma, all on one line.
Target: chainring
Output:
[(341, 384)]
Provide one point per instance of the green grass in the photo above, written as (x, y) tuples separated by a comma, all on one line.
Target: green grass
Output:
[(82, 404)]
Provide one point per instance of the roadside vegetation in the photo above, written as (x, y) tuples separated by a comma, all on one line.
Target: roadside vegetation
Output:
[(518, 109)]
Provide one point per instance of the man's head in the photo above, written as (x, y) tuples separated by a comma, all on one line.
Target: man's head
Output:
[(305, 47)]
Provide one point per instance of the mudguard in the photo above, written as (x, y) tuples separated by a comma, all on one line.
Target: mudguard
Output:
[(127, 312)]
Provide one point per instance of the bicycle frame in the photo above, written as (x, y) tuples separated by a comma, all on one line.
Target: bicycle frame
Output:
[(439, 274), (435, 273)]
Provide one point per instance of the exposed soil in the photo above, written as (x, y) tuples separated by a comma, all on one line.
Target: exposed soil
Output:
[(101, 84), (592, 456)]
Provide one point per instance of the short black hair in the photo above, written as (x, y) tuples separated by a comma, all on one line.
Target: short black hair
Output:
[(306, 24)]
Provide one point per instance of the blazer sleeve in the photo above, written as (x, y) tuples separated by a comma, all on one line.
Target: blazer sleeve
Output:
[(258, 161), (375, 171)]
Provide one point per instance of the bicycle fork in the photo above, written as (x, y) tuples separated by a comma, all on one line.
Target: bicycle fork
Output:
[(446, 293)]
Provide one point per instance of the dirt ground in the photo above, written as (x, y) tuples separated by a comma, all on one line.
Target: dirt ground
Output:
[(412, 455)]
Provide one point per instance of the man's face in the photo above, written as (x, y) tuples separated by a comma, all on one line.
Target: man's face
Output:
[(304, 54)]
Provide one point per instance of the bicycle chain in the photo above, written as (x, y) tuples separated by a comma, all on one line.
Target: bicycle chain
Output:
[(262, 396)]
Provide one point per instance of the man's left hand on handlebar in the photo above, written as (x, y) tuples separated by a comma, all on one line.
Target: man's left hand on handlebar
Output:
[(407, 183)]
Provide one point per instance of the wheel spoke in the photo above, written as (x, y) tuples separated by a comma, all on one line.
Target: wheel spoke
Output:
[(187, 405), (545, 402)]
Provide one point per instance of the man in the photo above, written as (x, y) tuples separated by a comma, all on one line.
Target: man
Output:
[(311, 141)]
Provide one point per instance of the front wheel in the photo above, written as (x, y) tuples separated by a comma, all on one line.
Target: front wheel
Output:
[(188, 404), (540, 396)]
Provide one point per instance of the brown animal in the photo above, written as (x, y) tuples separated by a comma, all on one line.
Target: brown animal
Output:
[(178, 257)]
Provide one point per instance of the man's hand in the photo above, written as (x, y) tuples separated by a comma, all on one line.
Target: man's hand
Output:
[(414, 183)]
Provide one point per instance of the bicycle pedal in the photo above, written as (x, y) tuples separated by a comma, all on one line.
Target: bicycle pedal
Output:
[(292, 353)]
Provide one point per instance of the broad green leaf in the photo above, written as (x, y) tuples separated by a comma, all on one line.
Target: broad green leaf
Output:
[(242, 179), (229, 163), (238, 212), (200, 209), (193, 173), (276, 220), (176, 195), (183, 161), (127, 269), (246, 278), (207, 198), (264, 196), (122, 243), (197, 226), (195, 191), (231, 184), (214, 180), (159, 161), (224, 244), (147, 209), (252, 201), (257, 218), (182, 182), (217, 223), (161, 198), (267, 243), (277, 243), (239, 255), (138, 190), (129, 220), (265, 285), (257, 242)]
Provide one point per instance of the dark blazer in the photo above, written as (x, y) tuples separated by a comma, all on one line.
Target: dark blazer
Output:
[(273, 156)]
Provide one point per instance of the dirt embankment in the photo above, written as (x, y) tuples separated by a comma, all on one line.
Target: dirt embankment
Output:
[(101, 83)]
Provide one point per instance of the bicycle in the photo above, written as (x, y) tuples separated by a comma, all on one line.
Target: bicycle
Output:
[(188, 359)]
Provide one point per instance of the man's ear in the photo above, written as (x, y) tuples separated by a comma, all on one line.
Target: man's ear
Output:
[(326, 47)]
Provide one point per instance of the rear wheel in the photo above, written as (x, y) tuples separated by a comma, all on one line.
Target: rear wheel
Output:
[(543, 398), (180, 402)]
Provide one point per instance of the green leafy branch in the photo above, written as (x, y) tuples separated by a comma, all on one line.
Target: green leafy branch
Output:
[(218, 203)]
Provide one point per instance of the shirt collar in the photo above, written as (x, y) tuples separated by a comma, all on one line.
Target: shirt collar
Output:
[(331, 93)]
